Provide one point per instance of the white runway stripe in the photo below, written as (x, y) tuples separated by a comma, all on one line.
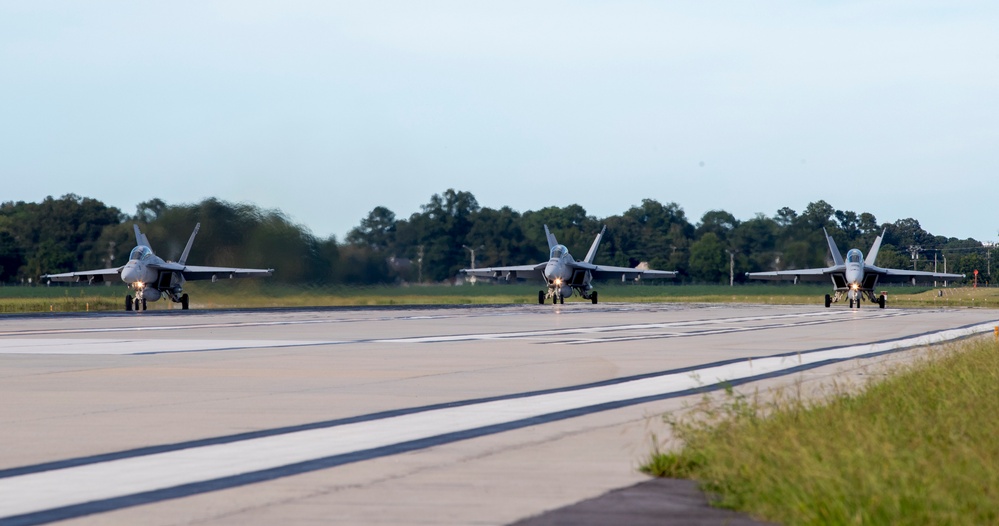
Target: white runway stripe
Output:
[(47, 490), (136, 345), (791, 319)]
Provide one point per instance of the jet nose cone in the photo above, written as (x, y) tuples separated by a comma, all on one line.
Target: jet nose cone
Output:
[(551, 270), (129, 274)]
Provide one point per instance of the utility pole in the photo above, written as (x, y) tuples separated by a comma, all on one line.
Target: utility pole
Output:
[(914, 251), (935, 266), (731, 268), (988, 258), (472, 251), (419, 262)]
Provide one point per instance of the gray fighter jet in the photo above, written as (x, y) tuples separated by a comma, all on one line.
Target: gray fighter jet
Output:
[(563, 274), (855, 277), (152, 278)]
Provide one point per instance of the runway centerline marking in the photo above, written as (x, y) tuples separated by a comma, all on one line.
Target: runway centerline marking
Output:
[(144, 346), (78, 487), (826, 317)]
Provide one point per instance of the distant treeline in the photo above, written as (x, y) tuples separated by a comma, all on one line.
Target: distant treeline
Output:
[(75, 233)]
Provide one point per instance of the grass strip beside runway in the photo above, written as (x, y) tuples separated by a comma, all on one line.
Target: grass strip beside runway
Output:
[(918, 447), (255, 294)]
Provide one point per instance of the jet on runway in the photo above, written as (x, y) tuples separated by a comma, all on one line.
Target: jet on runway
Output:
[(856, 277), (151, 277), (563, 274)]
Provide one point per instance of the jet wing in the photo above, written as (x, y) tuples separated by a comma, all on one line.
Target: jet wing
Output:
[(92, 276), (508, 273), (901, 275), (803, 274), (608, 272), (193, 273)]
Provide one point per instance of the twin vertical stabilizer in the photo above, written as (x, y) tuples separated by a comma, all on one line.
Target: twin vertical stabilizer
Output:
[(873, 254), (187, 249), (140, 238), (593, 248), (551, 239), (833, 249)]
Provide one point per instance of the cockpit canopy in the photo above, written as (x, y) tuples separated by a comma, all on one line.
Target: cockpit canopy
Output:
[(140, 253), (558, 251), (854, 256)]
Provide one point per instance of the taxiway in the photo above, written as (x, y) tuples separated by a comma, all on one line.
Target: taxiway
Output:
[(460, 415)]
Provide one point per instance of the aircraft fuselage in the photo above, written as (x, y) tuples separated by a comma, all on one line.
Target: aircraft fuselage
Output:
[(558, 272)]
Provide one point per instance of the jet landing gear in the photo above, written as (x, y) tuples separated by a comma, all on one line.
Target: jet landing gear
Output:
[(136, 304), (829, 300), (557, 299)]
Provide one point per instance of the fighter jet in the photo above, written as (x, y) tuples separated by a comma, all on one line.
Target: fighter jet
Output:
[(563, 274), (152, 278), (855, 277)]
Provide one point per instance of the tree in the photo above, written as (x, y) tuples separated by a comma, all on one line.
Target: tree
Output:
[(377, 231), (719, 222), (708, 260), (756, 242)]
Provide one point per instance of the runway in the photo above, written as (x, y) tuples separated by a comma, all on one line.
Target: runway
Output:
[(458, 415)]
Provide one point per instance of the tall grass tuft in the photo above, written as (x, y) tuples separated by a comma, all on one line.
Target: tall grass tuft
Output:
[(920, 447)]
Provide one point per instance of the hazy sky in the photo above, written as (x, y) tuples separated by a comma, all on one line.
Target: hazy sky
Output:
[(326, 110)]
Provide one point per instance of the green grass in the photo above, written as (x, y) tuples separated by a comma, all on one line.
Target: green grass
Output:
[(919, 447), (262, 293)]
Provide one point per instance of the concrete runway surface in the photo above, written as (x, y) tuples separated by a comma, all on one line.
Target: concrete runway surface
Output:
[(436, 415)]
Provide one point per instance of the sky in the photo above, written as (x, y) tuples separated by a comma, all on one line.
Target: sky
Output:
[(326, 110)]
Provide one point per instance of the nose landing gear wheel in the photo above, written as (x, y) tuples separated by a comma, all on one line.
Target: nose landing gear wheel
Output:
[(593, 297), (128, 302), (561, 300), (184, 302), (136, 304), (881, 301), (828, 300)]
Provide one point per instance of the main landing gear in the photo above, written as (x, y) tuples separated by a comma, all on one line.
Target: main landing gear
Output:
[(881, 300), (557, 299)]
